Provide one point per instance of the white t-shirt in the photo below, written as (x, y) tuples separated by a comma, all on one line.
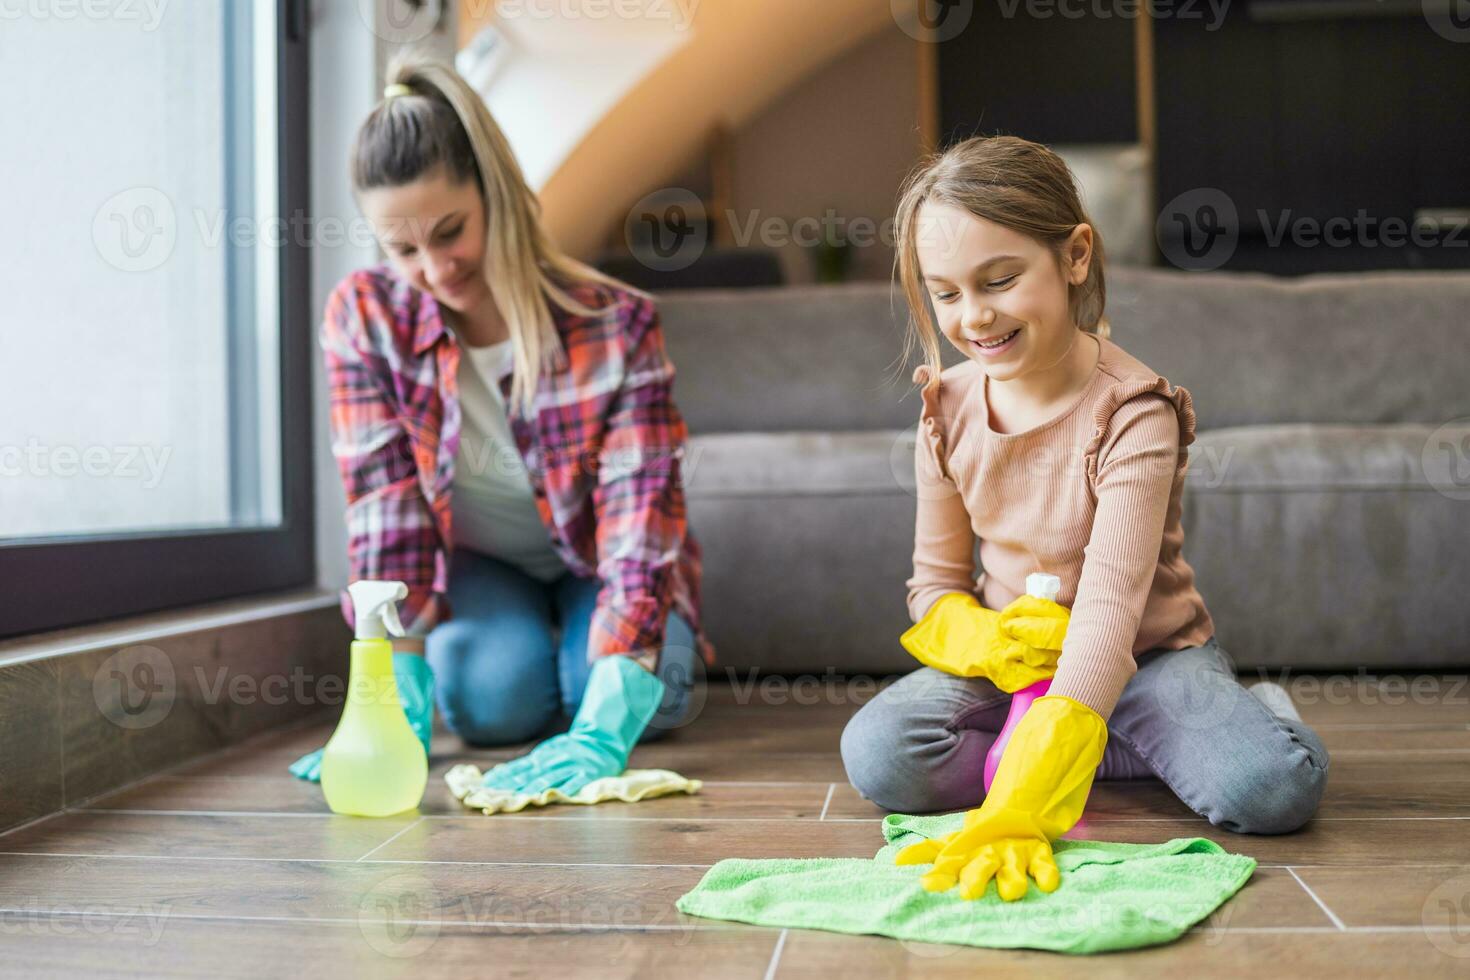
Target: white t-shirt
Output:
[(493, 506)]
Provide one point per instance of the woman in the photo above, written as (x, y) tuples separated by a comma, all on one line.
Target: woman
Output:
[(503, 421)]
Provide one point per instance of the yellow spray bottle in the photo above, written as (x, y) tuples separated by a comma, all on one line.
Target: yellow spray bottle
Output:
[(374, 764)]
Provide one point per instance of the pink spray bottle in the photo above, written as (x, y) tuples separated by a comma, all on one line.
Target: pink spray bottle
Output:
[(1042, 586)]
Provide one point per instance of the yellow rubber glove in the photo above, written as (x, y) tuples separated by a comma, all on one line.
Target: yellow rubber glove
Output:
[(1014, 648), (1038, 795)]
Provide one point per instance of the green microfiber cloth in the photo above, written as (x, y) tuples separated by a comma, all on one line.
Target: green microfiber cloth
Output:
[(1112, 896)]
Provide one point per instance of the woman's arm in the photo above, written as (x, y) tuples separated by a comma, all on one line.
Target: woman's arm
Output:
[(639, 499), (1137, 464), (390, 530)]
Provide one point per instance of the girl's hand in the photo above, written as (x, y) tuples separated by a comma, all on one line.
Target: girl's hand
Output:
[(969, 859), (1041, 623), (1037, 796), (1014, 648)]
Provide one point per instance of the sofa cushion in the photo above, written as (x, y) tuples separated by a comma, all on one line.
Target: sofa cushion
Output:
[(1317, 546), (1377, 347), (1314, 546), (743, 464), (807, 541), (1320, 457)]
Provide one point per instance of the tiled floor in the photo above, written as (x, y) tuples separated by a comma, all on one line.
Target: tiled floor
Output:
[(231, 867)]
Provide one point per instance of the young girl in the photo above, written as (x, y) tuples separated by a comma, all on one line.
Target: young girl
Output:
[(503, 421), (1058, 452)]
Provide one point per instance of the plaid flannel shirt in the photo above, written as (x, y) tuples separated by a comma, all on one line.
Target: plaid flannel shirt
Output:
[(603, 448)]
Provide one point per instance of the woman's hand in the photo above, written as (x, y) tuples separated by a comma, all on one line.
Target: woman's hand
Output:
[(621, 698)]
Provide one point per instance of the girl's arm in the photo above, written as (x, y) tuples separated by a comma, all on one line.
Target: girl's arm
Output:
[(944, 542), (1136, 467)]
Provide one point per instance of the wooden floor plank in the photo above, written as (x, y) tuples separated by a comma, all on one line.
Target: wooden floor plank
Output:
[(577, 841), (99, 947), (244, 871), (199, 835)]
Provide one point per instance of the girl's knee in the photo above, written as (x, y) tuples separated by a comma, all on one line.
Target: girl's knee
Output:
[(1271, 799), (877, 761)]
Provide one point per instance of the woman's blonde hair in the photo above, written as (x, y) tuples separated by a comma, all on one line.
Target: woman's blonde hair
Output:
[(443, 122), (1015, 183)]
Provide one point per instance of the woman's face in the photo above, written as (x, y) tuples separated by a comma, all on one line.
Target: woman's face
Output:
[(987, 282), (434, 233)]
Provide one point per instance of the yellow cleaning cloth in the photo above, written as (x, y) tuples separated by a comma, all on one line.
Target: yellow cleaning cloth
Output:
[(633, 785)]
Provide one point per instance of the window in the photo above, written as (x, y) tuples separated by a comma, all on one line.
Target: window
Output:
[(155, 444)]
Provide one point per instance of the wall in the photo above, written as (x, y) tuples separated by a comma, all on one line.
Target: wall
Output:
[(842, 138)]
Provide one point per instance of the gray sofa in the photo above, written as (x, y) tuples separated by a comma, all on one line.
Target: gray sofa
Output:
[(1327, 507)]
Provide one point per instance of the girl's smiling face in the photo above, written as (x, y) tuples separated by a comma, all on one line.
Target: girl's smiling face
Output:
[(434, 233), (988, 282)]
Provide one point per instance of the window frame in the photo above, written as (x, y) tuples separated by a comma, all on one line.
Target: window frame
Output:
[(60, 582)]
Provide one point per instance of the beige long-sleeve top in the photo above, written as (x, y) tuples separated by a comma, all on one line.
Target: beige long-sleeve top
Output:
[(1092, 496)]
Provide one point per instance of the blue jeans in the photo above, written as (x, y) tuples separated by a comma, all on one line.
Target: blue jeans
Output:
[(512, 663), (920, 745)]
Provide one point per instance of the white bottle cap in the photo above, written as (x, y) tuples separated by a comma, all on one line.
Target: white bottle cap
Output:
[(1043, 586), (375, 604)]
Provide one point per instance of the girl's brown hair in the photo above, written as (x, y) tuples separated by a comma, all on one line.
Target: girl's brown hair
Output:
[(1015, 183), (445, 123)]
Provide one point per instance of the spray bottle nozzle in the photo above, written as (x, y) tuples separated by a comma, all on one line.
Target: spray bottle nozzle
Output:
[(1043, 586), (375, 605)]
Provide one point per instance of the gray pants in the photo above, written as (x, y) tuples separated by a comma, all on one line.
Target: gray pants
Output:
[(920, 744)]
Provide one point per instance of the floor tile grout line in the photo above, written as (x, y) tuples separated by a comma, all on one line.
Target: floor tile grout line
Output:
[(633, 927), (504, 817), (539, 815), (1329, 930), (1376, 753), (164, 776), (318, 860), (1321, 904), (396, 922), (147, 812), (831, 788), (573, 864), (776, 955), (1392, 726), (390, 840)]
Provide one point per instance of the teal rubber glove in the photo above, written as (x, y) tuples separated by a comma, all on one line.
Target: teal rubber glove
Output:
[(415, 680), (620, 700)]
